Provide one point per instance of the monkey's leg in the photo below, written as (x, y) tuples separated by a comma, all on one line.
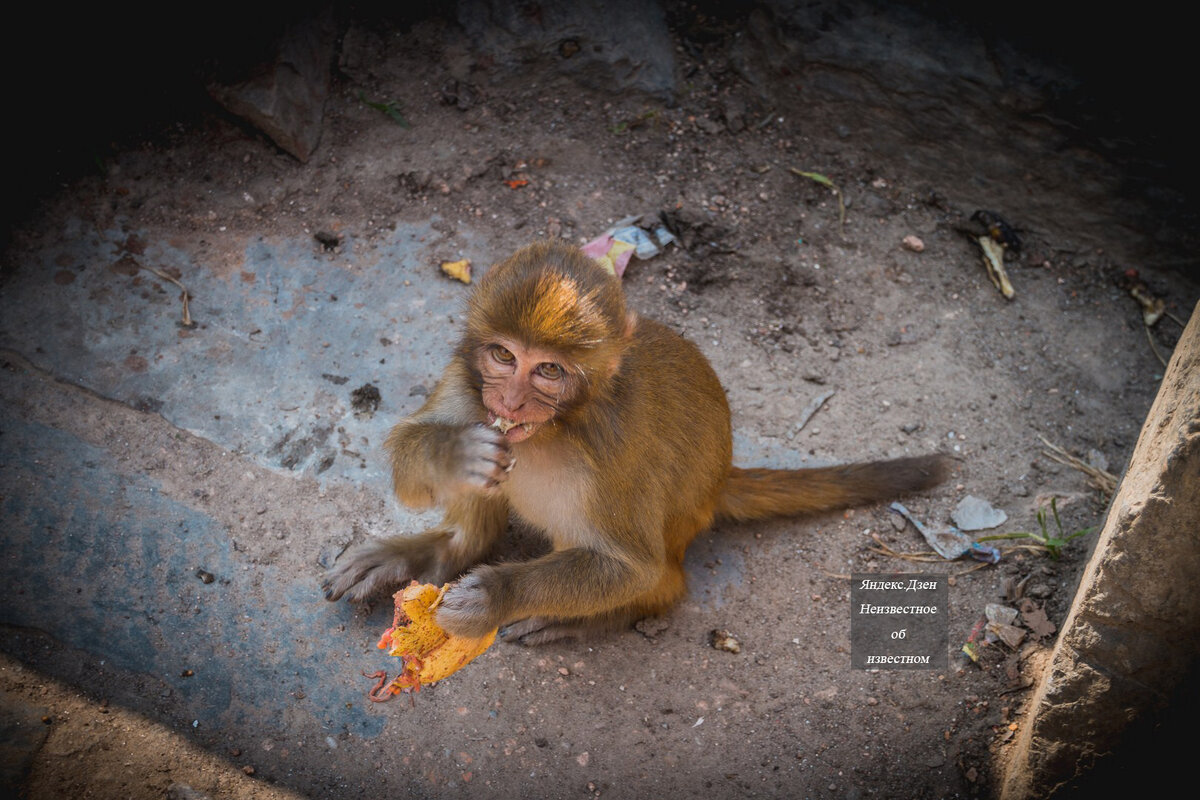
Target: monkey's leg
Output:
[(472, 525), (575, 582), (540, 630)]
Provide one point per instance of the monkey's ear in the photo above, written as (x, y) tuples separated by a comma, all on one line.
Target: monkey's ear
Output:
[(630, 324), (626, 334)]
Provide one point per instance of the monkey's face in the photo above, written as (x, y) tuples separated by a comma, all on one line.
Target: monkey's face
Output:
[(523, 387)]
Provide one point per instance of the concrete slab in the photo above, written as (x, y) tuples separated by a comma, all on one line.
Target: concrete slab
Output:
[(281, 339), (112, 567)]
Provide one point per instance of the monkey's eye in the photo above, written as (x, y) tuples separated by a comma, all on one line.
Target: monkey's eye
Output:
[(550, 371), (502, 354)]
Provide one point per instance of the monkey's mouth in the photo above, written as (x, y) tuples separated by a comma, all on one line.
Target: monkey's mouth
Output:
[(513, 431)]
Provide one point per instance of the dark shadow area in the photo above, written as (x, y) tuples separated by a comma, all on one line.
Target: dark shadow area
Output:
[(91, 82), (1160, 743)]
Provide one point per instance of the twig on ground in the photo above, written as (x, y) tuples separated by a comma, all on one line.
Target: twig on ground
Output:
[(187, 315), (1099, 479)]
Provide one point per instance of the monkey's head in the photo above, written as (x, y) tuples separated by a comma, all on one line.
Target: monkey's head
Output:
[(546, 330)]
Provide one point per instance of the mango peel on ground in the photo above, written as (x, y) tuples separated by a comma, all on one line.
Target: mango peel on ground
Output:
[(429, 653)]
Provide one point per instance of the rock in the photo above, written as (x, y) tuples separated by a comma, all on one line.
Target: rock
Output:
[(733, 109), (761, 52), (976, 514), (286, 98), (1127, 646), (365, 400)]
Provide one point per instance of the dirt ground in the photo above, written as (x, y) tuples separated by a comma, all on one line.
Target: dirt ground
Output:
[(920, 352)]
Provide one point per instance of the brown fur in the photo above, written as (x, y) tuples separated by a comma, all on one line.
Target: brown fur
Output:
[(633, 463)]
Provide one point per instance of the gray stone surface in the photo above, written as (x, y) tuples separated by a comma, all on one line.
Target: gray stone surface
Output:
[(138, 456)]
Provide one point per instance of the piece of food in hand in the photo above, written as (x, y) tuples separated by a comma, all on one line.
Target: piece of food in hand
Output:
[(429, 653)]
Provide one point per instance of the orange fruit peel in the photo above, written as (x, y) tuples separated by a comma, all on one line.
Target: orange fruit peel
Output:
[(429, 653)]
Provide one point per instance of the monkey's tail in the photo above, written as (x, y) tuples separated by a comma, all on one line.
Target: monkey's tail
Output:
[(752, 494)]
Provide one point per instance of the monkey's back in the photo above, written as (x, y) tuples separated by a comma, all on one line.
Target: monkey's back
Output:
[(672, 436)]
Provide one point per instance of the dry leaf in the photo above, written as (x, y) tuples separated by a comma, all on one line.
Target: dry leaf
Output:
[(459, 270), (1036, 620)]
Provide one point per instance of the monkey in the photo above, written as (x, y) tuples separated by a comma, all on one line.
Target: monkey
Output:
[(606, 432)]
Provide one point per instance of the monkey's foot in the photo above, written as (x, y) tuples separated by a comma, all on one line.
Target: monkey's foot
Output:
[(534, 631)]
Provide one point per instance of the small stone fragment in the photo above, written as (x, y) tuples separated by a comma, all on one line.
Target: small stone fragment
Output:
[(976, 514), (724, 640)]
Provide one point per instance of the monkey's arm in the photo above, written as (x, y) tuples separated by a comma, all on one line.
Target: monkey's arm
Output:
[(441, 455), (444, 451)]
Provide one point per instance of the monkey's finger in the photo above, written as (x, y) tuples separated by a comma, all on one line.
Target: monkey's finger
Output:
[(499, 457), (485, 434), (488, 478), (377, 581), (534, 631), (484, 456), (503, 459), (337, 581), (492, 444)]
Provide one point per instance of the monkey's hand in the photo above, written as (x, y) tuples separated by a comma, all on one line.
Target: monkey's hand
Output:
[(481, 458), (467, 608)]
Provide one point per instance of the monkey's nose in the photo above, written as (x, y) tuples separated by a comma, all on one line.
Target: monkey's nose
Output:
[(509, 410)]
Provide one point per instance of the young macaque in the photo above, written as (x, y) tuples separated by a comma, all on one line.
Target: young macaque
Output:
[(608, 433)]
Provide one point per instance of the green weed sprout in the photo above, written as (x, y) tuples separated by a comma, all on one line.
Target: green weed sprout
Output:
[(1053, 545)]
